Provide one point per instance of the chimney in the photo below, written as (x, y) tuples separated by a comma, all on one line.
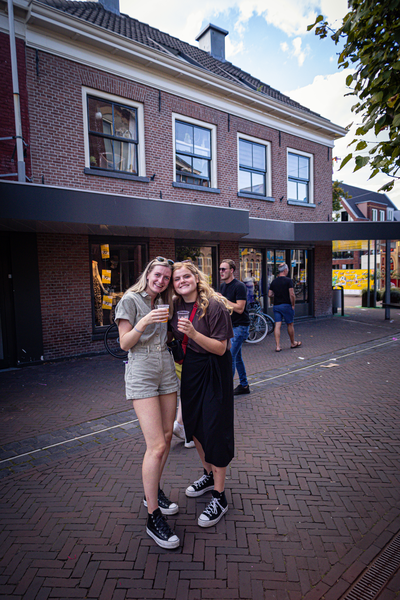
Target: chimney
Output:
[(110, 5), (212, 40)]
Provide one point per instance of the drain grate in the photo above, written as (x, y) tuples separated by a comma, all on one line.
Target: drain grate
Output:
[(374, 579)]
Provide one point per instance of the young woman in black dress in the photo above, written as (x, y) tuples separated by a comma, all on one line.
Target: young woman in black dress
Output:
[(207, 383)]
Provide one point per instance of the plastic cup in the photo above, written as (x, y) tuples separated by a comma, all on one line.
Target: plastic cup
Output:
[(164, 307), (183, 314)]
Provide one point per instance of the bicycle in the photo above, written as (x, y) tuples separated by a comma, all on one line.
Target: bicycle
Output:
[(261, 324), (111, 340)]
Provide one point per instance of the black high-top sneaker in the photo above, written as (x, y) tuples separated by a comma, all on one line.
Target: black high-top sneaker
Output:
[(164, 504), (158, 529), (201, 486), (214, 511)]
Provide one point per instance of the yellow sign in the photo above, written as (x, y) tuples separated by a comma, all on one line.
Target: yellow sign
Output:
[(351, 279), (343, 245), (107, 303), (106, 276), (105, 251)]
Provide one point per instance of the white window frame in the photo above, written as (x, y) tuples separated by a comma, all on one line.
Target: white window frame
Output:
[(249, 138), (141, 154), (311, 176), (204, 125), (382, 215), (374, 214), (390, 214)]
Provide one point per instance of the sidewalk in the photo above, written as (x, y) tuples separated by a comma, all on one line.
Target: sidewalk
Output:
[(314, 489)]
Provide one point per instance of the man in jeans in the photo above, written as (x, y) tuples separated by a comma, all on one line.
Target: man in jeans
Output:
[(236, 294)]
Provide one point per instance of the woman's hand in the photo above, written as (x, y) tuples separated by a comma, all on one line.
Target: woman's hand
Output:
[(158, 315), (186, 326)]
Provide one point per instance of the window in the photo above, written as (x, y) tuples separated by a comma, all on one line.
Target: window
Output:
[(300, 177), (374, 214), (252, 167), (115, 267), (192, 154), (390, 214), (114, 135), (382, 215)]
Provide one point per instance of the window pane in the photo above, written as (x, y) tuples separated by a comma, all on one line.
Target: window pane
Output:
[(293, 165), (303, 167), (101, 154), (259, 157), (183, 163), (302, 192), (183, 137), (125, 122), (202, 142), (245, 155), (100, 115), (125, 157), (244, 181), (292, 190), (258, 184), (200, 167)]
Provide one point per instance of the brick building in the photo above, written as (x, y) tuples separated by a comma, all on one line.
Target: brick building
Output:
[(136, 145)]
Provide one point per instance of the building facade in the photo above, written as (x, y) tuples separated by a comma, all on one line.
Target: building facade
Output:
[(137, 145)]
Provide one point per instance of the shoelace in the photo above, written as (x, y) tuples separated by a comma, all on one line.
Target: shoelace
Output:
[(162, 498), (212, 508), (162, 526), (200, 481)]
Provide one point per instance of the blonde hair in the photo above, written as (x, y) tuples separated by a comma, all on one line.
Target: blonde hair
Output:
[(141, 283), (204, 290)]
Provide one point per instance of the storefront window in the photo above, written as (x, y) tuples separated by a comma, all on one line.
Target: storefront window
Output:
[(250, 272), (204, 258), (115, 267), (298, 273)]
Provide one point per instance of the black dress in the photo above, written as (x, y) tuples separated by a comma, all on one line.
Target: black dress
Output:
[(207, 387)]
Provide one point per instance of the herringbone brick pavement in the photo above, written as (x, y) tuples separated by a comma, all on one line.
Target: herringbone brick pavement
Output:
[(314, 488)]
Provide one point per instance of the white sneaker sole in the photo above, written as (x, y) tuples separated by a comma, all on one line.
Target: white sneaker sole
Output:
[(172, 510), (170, 544), (194, 494), (204, 523)]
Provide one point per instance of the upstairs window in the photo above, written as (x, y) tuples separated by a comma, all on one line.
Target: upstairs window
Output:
[(374, 213), (390, 214), (192, 154), (299, 177), (382, 215), (252, 167)]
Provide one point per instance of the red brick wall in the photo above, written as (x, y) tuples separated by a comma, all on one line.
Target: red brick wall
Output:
[(323, 281), (64, 274), (58, 143), (8, 161)]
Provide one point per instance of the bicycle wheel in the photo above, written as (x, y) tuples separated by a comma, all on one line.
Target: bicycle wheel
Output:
[(258, 328), (111, 342), (270, 323)]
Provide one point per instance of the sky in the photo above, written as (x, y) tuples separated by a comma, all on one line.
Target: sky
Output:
[(269, 39)]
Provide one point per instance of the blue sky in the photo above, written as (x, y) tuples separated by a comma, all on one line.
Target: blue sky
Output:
[(269, 39)]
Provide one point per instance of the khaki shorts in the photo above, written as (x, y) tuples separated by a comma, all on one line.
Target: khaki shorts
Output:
[(150, 372)]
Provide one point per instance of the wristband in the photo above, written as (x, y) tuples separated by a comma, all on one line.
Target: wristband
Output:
[(138, 330)]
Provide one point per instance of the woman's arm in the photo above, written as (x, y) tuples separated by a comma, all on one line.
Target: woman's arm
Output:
[(210, 344), (130, 335)]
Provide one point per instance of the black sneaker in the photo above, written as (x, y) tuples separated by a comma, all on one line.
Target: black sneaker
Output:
[(165, 505), (158, 529), (201, 486), (214, 511), (241, 389)]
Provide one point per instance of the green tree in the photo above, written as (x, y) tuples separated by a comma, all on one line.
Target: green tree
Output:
[(337, 194), (371, 34)]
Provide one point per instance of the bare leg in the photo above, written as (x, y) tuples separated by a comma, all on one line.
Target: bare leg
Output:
[(219, 478), (277, 334), (179, 413), (290, 329), (156, 418)]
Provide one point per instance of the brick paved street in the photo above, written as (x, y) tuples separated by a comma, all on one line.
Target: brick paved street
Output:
[(313, 491)]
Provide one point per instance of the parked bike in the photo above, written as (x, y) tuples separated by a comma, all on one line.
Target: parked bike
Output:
[(111, 342), (261, 324)]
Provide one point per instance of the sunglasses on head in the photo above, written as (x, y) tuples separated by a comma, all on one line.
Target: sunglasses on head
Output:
[(162, 259)]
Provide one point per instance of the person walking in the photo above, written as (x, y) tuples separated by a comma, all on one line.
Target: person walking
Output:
[(206, 384), (284, 298), (151, 383), (236, 294)]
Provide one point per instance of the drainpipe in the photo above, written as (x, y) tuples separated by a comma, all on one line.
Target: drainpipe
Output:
[(17, 109)]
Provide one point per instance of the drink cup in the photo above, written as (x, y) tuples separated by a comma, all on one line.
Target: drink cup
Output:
[(183, 314), (164, 307)]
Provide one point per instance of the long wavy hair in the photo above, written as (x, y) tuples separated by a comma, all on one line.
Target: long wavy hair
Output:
[(204, 290), (141, 283)]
